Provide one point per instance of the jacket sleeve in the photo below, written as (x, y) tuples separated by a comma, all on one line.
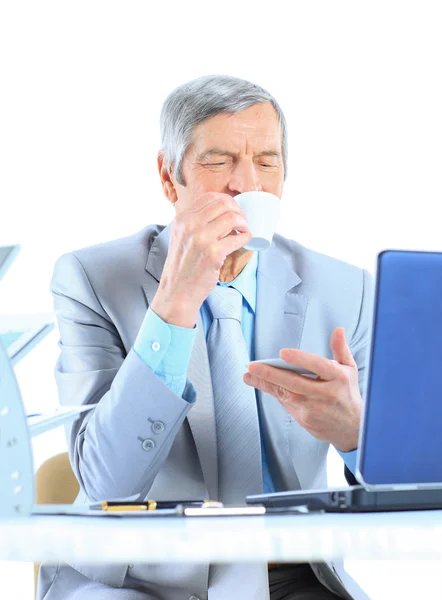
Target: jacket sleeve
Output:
[(117, 449), (359, 345)]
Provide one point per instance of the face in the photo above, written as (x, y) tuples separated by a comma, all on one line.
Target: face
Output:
[(230, 153)]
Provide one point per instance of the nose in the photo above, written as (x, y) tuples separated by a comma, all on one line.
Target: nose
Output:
[(244, 177)]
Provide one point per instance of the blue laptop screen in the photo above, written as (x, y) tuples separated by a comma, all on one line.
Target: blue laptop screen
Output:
[(402, 436)]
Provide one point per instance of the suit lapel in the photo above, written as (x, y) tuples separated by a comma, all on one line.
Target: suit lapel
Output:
[(201, 417), (280, 315), (280, 311)]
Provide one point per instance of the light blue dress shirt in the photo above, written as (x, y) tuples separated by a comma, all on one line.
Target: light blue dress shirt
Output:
[(166, 349)]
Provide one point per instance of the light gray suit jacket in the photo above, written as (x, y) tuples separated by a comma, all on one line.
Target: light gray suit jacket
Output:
[(101, 295)]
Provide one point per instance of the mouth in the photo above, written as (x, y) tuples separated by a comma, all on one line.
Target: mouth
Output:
[(233, 232)]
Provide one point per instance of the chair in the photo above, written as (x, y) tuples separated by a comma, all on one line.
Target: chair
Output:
[(55, 483)]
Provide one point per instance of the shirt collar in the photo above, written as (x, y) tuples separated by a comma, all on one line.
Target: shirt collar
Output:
[(245, 283)]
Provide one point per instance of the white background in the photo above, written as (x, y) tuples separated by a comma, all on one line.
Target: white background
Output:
[(82, 85)]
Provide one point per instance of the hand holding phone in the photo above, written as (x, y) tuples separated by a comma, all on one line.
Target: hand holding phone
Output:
[(282, 364)]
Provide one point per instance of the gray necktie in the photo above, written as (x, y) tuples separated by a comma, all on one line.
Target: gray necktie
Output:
[(236, 415), (238, 439)]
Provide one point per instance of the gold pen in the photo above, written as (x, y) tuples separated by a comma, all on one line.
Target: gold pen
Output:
[(153, 505)]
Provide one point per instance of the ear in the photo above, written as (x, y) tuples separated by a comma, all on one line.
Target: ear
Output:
[(166, 180)]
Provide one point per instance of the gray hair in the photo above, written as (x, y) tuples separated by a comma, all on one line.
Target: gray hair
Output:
[(196, 101)]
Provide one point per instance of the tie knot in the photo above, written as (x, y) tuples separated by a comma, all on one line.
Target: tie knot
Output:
[(225, 303)]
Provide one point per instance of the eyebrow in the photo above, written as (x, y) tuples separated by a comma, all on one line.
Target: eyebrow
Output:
[(221, 152)]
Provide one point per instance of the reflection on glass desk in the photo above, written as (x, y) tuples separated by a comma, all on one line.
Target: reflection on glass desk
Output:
[(405, 535)]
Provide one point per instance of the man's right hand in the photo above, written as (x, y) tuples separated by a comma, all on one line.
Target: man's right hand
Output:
[(200, 241)]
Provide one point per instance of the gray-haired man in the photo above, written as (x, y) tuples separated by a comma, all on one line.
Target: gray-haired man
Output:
[(137, 319)]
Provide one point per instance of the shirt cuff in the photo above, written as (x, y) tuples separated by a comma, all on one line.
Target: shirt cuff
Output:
[(165, 349), (349, 458)]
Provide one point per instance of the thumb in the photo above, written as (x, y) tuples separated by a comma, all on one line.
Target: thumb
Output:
[(341, 352)]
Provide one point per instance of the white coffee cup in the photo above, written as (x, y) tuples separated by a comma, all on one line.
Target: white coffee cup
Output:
[(262, 211)]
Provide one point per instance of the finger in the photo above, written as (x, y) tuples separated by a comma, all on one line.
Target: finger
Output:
[(325, 368), (225, 224), (278, 392), (231, 243), (284, 378), (341, 352), (223, 236), (216, 205)]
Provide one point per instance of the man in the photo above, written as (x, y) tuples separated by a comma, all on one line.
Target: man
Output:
[(177, 417)]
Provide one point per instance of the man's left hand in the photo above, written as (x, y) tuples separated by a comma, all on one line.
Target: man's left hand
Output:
[(328, 407)]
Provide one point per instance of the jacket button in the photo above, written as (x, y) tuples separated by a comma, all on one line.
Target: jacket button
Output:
[(158, 426), (148, 445)]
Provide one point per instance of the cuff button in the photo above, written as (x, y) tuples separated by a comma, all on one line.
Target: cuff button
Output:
[(148, 445), (158, 427)]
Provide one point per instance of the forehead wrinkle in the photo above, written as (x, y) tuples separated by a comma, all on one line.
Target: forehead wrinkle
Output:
[(243, 129), (224, 152), (268, 147)]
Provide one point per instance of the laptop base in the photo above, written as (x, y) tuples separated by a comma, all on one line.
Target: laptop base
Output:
[(353, 499)]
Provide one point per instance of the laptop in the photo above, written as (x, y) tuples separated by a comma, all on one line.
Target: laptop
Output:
[(7, 256), (399, 464), (61, 415), (19, 334)]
